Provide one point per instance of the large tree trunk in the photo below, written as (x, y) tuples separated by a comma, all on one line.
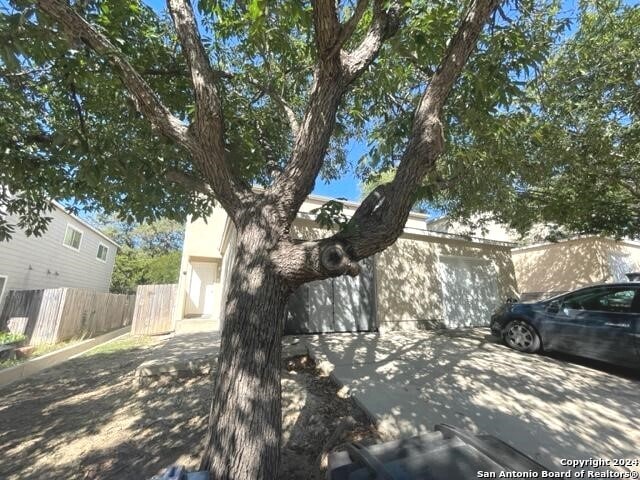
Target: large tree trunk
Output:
[(245, 426)]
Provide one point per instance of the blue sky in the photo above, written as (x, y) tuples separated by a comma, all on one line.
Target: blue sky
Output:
[(348, 186)]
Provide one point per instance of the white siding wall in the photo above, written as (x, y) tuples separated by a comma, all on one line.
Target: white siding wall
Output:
[(44, 262)]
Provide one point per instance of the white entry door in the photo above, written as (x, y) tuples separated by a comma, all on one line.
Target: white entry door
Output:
[(469, 291), (200, 299)]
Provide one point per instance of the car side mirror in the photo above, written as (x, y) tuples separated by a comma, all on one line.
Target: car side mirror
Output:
[(554, 306)]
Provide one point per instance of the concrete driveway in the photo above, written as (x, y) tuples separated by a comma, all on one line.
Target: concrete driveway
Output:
[(547, 407)]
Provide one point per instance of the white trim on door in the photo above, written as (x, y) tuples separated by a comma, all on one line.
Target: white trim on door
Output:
[(4, 286)]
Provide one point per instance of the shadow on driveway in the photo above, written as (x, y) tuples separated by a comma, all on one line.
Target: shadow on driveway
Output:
[(545, 406)]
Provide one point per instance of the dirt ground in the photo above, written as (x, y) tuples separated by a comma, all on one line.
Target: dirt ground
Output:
[(89, 418)]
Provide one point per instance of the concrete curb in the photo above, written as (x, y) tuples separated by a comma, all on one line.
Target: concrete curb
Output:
[(30, 367), (155, 369), (326, 368)]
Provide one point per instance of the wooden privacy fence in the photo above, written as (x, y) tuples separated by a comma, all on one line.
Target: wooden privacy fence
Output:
[(153, 313), (58, 314)]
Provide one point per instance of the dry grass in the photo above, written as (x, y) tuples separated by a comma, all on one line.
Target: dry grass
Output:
[(89, 418), (38, 351)]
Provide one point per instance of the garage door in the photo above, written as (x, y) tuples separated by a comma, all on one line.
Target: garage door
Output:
[(343, 304), (469, 291), (621, 263)]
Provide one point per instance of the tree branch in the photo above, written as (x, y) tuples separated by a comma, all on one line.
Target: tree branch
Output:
[(206, 146), (310, 147), (80, 114), (221, 74), (184, 72), (326, 25), (630, 187), (40, 138), (147, 102), (208, 126), (331, 80), (280, 101), (208, 123), (291, 115), (381, 217), (346, 30), (378, 229), (190, 182), (301, 261), (23, 73), (383, 26)]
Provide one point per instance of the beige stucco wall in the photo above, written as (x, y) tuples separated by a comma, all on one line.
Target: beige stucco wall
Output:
[(570, 264), (409, 291), (202, 238), (559, 267), (201, 241), (415, 220)]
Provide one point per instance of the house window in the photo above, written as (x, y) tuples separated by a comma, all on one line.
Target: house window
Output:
[(103, 250), (72, 238)]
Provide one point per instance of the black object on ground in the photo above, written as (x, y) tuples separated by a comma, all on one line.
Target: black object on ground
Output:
[(447, 453)]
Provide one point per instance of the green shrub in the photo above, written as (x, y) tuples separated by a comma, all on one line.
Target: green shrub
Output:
[(8, 337)]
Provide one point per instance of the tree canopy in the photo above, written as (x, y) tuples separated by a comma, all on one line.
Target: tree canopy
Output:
[(113, 105), (135, 267), (149, 253), (160, 236), (566, 152), (70, 130)]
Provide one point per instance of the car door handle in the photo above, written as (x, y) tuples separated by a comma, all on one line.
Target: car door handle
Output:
[(619, 325)]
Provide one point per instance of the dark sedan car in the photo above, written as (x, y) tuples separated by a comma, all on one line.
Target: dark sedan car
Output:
[(600, 322)]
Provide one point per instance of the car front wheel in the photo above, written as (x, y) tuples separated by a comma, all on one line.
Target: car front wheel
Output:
[(521, 336)]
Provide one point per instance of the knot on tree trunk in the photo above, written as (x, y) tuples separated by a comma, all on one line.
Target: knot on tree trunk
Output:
[(336, 261)]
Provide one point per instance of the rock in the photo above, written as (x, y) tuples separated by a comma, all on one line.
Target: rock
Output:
[(24, 352)]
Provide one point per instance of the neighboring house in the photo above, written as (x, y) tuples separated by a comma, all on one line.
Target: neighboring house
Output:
[(425, 279), (545, 269), (70, 253)]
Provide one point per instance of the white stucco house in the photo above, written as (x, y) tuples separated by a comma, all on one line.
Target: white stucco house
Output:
[(71, 253), (425, 279)]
